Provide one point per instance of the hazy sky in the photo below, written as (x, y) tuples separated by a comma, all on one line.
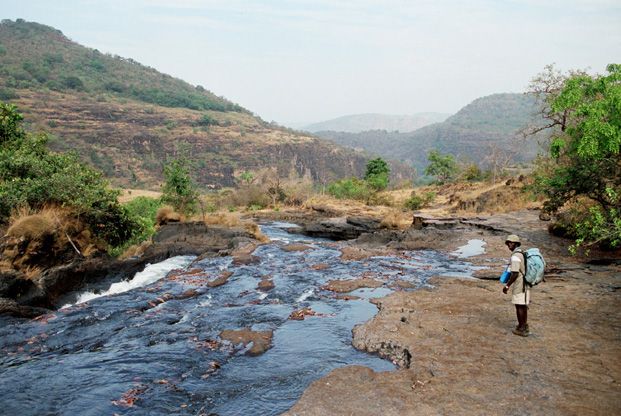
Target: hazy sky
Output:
[(311, 60)]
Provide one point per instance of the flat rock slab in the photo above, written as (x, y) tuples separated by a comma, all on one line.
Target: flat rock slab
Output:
[(220, 280), (261, 340), (360, 253), (345, 286), (457, 355), (296, 247)]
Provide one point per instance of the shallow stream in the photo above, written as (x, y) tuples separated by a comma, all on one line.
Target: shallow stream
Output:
[(151, 345)]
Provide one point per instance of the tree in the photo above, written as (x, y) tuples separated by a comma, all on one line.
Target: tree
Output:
[(443, 167), (584, 162), (377, 174), (179, 190)]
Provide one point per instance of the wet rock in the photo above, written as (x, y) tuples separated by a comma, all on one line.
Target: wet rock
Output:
[(361, 253), (296, 247), (11, 307), (14, 284), (245, 259), (345, 286), (261, 340), (300, 314), (347, 297), (265, 285), (220, 280), (320, 266), (190, 293), (342, 228)]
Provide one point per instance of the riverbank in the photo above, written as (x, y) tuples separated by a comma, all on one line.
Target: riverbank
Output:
[(454, 344)]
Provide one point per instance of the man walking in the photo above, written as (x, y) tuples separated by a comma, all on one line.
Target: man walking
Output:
[(520, 290)]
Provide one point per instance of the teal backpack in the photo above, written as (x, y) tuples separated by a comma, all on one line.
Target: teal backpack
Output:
[(535, 265)]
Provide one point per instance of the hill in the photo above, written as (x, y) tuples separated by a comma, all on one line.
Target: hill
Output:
[(487, 124), (357, 123), (127, 119)]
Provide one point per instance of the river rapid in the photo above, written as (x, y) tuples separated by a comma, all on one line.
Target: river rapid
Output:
[(151, 346)]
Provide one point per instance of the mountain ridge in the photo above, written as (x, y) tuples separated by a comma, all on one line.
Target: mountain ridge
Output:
[(493, 121), (357, 123), (127, 119)]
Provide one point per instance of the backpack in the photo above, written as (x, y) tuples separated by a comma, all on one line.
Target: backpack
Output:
[(534, 266)]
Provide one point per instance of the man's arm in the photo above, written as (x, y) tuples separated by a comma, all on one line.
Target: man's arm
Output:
[(512, 278)]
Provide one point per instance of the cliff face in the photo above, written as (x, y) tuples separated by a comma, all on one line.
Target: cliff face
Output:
[(127, 119)]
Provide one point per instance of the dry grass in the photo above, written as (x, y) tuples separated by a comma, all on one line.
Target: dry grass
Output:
[(167, 214), (130, 194), (396, 219), (233, 220), (135, 251)]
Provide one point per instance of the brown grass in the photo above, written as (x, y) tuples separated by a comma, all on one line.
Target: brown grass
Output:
[(130, 194), (233, 220), (167, 214)]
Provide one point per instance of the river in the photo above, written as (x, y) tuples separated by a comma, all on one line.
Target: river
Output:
[(143, 348)]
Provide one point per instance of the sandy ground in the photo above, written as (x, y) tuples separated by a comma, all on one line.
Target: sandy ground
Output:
[(457, 354)]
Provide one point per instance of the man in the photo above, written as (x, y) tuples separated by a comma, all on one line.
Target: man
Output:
[(520, 290)]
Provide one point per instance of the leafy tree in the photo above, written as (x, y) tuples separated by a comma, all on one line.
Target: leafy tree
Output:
[(584, 153), (443, 167), (179, 190), (377, 174)]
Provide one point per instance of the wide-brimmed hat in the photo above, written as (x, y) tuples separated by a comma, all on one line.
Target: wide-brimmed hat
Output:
[(512, 238)]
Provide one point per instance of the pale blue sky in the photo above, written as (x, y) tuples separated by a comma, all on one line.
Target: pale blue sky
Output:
[(304, 61)]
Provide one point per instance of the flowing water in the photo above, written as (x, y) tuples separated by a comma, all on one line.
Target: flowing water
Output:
[(143, 347)]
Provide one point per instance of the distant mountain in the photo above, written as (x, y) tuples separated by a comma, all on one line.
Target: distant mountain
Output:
[(471, 133), (362, 122), (127, 119)]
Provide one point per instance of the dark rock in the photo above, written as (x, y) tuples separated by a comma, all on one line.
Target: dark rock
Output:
[(14, 284), (11, 307), (341, 228)]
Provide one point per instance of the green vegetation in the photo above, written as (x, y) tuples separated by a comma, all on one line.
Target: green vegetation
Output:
[(375, 180), (377, 173), (584, 167), (351, 188), (32, 176), (443, 167), (38, 56), (179, 190), (416, 201), (142, 210)]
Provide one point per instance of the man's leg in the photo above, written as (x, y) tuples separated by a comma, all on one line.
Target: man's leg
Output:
[(522, 315)]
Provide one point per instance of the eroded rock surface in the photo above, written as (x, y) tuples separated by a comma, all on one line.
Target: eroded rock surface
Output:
[(261, 340), (346, 286)]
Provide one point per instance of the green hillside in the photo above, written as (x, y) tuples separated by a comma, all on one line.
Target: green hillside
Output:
[(36, 56), (127, 119), (492, 121)]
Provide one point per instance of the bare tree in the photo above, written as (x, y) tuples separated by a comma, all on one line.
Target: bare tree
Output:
[(497, 159)]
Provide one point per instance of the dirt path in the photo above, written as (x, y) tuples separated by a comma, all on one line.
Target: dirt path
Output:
[(458, 356)]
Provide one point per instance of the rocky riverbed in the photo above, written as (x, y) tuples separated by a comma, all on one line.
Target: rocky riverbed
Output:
[(453, 343)]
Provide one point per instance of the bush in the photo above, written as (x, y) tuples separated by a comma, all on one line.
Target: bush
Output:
[(179, 190), (415, 201), (32, 176), (351, 188)]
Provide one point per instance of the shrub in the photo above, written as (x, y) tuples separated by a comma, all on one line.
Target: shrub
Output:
[(351, 188), (73, 83), (415, 201), (179, 190), (32, 176)]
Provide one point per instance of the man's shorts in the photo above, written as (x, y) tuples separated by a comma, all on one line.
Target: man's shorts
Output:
[(520, 298)]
